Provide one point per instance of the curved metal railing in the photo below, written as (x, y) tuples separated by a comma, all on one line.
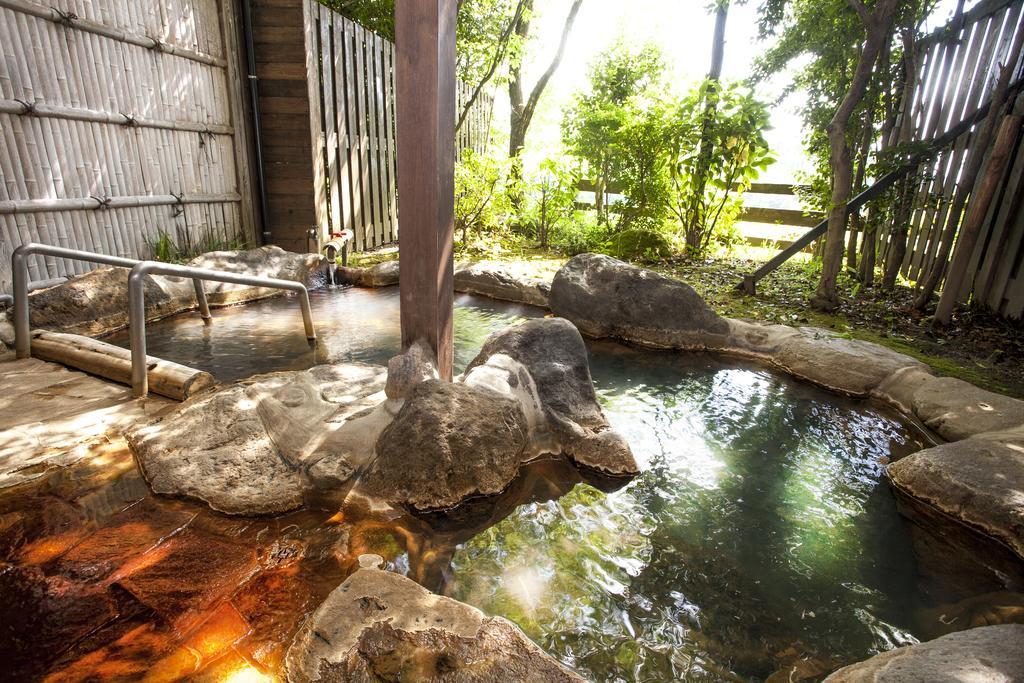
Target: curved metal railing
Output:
[(136, 297), (19, 270), (137, 305)]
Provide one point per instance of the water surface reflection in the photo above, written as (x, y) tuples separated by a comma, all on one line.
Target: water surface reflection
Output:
[(761, 539)]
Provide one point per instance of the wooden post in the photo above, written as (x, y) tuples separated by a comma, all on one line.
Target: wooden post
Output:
[(425, 113)]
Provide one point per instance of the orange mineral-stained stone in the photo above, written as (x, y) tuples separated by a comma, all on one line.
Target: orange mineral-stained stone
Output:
[(217, 634), (130, 657)]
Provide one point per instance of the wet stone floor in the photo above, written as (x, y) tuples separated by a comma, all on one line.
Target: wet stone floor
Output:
[(761, 543)]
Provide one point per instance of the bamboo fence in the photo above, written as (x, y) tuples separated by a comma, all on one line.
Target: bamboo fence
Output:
[(118, 122)]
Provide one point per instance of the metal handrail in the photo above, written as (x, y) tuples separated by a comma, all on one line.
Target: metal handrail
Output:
[(19, 270), (137, 306)]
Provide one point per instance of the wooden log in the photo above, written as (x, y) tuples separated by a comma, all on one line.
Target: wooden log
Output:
[(111, 362)]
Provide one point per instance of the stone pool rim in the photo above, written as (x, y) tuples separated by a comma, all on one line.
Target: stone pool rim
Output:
[(864, 370)]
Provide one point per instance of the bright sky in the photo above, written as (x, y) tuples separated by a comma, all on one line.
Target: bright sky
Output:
[(683, 28)]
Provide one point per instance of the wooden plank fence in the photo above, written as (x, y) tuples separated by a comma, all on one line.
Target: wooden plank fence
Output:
[(955, 71), (350, 76), (119, 120), (958, 66)]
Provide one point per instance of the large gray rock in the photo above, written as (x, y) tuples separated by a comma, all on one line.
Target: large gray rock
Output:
[(243, 450), (97, 302), (496, 282), (415, 365), (977, 481), (549, 373), (992, 654), (608, 298), (269, 261), (848, 366), (605, 297), (449, 442), (957, 409), (379, 626)]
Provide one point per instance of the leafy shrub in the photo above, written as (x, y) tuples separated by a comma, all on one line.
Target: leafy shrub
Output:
[(551, 198), (718, 150), (642, 242), (585, 233), (481, 200)]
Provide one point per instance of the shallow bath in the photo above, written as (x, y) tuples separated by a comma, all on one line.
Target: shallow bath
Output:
[(762, 535)]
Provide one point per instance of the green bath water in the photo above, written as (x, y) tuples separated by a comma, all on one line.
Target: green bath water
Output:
[(761, 538)]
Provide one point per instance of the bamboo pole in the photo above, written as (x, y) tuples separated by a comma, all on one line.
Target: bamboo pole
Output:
[(22, 206), (52, 111), (56, 16)]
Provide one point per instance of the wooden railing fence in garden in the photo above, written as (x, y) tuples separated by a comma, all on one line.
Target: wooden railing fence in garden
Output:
[(957, 67), (351, 95), (119, 122)]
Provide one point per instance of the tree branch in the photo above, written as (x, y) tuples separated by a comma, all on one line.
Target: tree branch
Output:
[(499, 57), (862, 11), (538, 89)]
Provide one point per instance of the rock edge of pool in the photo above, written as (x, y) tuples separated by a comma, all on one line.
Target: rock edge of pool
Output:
[(346, 430)]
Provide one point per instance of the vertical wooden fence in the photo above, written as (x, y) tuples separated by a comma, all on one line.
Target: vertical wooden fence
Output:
[(119, 121), (350, 76), (957, 67)]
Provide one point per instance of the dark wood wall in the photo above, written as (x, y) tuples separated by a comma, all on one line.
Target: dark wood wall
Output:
[(279, 46)]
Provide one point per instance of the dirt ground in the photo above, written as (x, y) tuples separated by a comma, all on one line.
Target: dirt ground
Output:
[(979, 346)]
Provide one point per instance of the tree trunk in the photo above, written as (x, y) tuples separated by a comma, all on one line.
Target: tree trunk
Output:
[(695, 237), (496, 61), (522, 110), (980, 146), (864, 149), (868, 250), (877, 23), (898, 238)]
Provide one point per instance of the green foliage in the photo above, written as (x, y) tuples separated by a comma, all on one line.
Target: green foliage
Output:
[(823, 38), (551, 198), (708, 183), (631, 136), (585, 233), (623, 71), (618, 130), (481, 200), (481, 28), (640, 148), (376, 15), (644, 242), (167, 249)]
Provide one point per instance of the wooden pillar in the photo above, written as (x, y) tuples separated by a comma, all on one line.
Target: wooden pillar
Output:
[(425, 117)]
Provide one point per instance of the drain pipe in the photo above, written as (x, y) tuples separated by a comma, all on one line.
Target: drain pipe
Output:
[(254, 102)]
